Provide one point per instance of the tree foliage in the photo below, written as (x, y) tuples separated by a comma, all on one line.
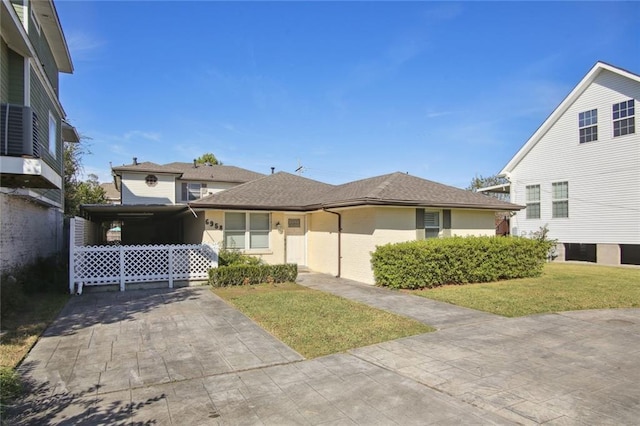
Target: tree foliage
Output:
[(208, 158), (76, 191), (480, 181)]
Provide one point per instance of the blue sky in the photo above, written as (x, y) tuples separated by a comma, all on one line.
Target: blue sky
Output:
[(348, 90)]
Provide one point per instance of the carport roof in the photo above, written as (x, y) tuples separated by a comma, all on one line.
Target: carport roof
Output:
[(111, 212)]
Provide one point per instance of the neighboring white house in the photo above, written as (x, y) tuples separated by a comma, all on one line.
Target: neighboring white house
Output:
[(580, 171)]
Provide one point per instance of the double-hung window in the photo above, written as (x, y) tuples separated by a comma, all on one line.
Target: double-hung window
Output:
[(588, 125), (244, 231), (431, 224), (560, 203), (624, 118), (533, 201), (192, 191)]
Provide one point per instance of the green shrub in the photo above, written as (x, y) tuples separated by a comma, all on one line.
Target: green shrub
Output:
[(434, 262), (228, 257), (252, 274)]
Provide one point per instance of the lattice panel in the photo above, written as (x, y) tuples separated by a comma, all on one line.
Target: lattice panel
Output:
[(102, 264), (93, 264), (146, 263)]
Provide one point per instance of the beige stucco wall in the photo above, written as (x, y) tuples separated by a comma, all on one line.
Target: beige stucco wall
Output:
[(466, 223), (366, 228), (136, 191), (322, 242)]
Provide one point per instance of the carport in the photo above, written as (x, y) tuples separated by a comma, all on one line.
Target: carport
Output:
[(141, 223)]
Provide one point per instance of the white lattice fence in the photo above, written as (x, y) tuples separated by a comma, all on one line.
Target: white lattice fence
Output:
[(97, 265)]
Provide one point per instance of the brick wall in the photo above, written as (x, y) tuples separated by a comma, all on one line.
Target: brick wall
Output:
[(27, 231)]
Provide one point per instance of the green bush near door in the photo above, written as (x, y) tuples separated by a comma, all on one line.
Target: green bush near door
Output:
[(239, 274)]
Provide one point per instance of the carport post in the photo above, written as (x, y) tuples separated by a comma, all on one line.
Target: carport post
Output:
[(170, 266), (72, 240), (121, 268)]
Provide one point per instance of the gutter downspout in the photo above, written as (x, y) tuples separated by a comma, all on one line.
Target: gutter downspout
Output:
[(339, 240)]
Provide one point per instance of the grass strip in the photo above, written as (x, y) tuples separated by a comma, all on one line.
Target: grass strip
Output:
[(314, 323), (562, 287)]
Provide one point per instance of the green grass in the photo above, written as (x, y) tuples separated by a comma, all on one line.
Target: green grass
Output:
[(315, 323), (562, 287), (22, 324)]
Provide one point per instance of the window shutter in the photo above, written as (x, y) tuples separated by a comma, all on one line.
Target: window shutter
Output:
[(446, 219), (185, 192), (419, 218)]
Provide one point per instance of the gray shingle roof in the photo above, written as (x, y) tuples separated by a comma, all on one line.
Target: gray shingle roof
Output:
[(284, 191), (403, 189), (219, 173), (279, 191), (187, 171), (110, 190)]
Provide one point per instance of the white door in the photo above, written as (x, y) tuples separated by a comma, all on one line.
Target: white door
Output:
[(295, 240)]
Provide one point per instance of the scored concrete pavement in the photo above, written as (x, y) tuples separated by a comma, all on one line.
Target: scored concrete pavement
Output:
[(184, 356)]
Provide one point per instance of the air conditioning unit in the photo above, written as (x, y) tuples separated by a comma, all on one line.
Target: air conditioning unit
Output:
[(18, 131)]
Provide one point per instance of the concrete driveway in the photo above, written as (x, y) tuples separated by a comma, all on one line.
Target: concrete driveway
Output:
[(185, 357)]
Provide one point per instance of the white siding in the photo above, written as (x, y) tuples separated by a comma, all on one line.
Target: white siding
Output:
[(136, 191), (603, 175)]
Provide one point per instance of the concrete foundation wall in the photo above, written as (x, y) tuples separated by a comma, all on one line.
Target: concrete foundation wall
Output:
[(27, 231), (608, 254)]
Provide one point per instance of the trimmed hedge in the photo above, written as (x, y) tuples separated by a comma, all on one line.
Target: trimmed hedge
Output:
[(239, 274), (458, 260)]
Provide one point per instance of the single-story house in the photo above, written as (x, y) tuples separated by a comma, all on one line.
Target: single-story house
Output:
[(334, 228)]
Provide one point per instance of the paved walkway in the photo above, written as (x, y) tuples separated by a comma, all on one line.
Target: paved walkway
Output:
[(185, 357)]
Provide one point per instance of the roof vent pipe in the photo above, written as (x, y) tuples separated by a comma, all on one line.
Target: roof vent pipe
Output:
[(273, 169), (195, 164), (135, 161)]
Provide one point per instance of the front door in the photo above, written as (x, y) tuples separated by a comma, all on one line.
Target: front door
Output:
[(295, 240)]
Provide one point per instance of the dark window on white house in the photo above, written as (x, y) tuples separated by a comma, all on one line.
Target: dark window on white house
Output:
[(193, 191), (431, 224), (533, 201), (624, 118), (560, 203), (588, 125), (151, 180)]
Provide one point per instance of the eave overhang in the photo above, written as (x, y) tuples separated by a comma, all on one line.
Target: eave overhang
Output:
[(50, 22)]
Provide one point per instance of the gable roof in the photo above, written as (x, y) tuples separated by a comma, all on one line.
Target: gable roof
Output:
[(187, 171), (577, 91), (284, 191)]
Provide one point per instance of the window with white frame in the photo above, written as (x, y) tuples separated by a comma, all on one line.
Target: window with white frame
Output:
[(193, 191), (431, 224), (533, 201), (588, 125), (53, 136), (560, 203), (624, 118), (246, 230)]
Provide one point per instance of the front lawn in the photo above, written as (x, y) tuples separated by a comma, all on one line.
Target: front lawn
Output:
[(315, 323), (562, 287)]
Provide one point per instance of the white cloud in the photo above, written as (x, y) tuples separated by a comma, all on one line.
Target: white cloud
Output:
[(139, 134), (83, 46)]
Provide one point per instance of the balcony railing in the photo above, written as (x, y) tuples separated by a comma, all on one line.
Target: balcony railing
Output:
[(19, 131)]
